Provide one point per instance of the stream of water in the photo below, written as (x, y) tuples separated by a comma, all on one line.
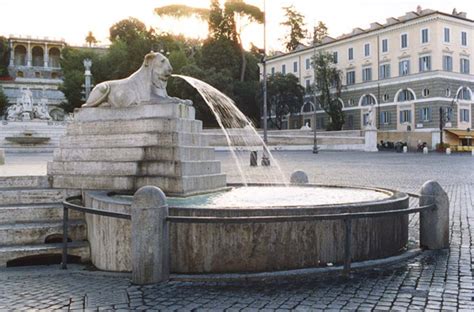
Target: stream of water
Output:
[(238, 130)]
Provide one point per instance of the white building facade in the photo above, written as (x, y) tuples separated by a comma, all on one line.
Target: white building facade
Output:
[(412, 69)]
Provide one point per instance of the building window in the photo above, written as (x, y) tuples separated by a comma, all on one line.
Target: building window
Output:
[(464, 38), (283, 69), (425, 35), (37, 75), (425, 63), (405, 95), (334, 57), (405, 116), (386, 97), (321, 123), (20, 74), (350, 53), (385, 118), (367, 49), (464, 115), (308, 63), (404, 68), (448, 92), (404, 41), (350, 77), (384, 45), (384, 71), (464, 94), (367, 100), (464, 66), (308, 85), (295, 67), (447, 63), (350, 122), (367, 74), (273, 71), (447, 35), (350, 102), (425, 114), (425, 92)]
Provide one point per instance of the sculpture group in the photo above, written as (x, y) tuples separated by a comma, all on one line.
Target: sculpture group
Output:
[(26, 109)]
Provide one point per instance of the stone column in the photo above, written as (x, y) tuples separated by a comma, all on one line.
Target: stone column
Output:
[(150, 237), (46, 55), (29, 55), (12, 54), (370, 140), (434, 224)]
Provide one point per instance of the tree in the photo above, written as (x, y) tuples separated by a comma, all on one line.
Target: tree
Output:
[(295, 21), (4, 55), (3, 102), (319, 32), (90, 39), (128, 30), (224, 23), (328, 84), (285, 96)]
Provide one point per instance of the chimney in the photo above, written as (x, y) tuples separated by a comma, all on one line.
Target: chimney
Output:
[(418, 9)]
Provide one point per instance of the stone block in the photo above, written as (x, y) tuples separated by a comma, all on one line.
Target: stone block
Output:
[(299, 177), (370, 140), (2, 156), (434, 224), (170, 110), (150, 246)]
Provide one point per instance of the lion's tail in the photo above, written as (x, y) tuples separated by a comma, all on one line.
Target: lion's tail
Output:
[(98, 95)]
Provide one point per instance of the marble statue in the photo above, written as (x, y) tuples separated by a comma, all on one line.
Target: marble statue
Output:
[(14, 112), (27, 100), (371, 118), (40, 111), (146, 84)]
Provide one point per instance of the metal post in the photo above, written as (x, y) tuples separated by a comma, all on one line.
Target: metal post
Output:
[(347, 247), (87, 76), (65, 228), (441, 119), (315, 139), (265, 158)]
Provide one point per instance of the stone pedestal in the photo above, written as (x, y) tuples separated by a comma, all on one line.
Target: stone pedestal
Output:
[(126, 148), (434, 224), (371, 140)]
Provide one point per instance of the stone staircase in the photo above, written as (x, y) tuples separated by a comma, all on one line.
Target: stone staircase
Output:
[(31, 221)]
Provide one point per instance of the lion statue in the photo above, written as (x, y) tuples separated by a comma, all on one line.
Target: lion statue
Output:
[(146, 84)]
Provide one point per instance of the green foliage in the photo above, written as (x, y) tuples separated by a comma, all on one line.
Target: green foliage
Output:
[(128, 30), (319, 32), (4, 55), (3, 102), (329, 85), (90, 39), (285, 96), (179, 11), (295, 21), (221, 54)]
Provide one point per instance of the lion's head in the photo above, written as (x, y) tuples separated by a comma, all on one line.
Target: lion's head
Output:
[(160, 68)]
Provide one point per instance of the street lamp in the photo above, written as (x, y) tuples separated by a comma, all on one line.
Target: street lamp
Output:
[(315, 139), (443, 117), (265, 158), (87, 77)]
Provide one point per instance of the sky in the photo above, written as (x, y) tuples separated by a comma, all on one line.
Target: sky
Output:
[(72, 19)]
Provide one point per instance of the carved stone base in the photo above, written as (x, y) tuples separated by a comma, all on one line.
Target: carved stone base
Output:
[(126, 148)]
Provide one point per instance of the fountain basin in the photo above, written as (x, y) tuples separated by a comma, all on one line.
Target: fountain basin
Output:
[(258, 247)]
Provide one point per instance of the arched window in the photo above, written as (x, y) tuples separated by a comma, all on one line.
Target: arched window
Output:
[(464, 94), (38, 56), (54, 57), (368, 99), (308, 107), (405, 95), (20, 55)]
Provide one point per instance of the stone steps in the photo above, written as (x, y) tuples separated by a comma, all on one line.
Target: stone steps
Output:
[(134, 126), (161, 153), (38, 212), (37, 232), (77, 248), (173, 185), (132, 140), (20, 196), (161, 168), (30, 214)]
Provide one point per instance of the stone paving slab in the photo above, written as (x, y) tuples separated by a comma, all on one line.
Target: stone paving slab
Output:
[(442, 280)]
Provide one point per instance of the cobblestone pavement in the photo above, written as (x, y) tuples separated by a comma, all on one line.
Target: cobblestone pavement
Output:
[(440, 281)]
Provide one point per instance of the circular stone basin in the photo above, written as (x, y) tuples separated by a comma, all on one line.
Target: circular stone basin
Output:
[(250, 197), (258, 247)]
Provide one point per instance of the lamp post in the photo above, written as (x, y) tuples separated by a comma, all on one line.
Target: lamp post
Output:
[(87, 77), (265, 158), (315, 139), (443, 117)]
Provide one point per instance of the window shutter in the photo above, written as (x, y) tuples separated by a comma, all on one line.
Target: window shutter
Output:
[(429, 113), (421, 64), (420, 112), (409, 116), (389, 119), (401, 117)]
